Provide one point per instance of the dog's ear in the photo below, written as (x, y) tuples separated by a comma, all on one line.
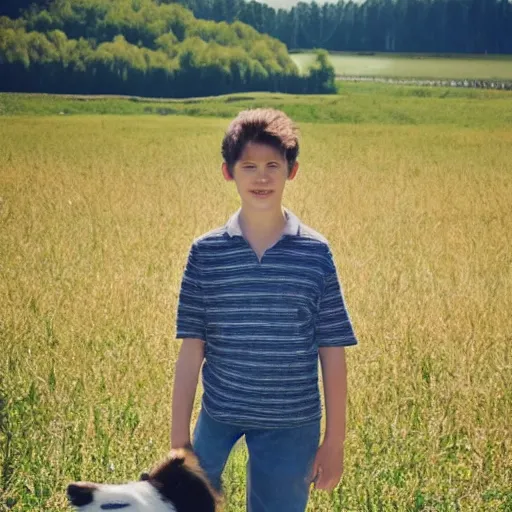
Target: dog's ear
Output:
[(80, 493), (179, 455), (176, 459), (180, 480), (169, 468)]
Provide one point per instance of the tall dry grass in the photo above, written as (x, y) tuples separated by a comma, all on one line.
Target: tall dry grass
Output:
[(96, 218)]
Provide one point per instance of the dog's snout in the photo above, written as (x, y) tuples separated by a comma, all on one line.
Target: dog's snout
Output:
[(80, 494)]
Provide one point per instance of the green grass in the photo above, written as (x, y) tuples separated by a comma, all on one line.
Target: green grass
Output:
[(355, 104), (96, 217), (415, 66)]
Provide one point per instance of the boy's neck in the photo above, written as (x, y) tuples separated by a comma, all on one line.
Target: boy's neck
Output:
[(259, 223)]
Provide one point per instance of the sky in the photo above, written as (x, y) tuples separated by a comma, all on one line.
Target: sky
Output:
[(284, 4)]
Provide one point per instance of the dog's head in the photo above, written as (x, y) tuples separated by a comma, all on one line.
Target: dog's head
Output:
[(176, 485)]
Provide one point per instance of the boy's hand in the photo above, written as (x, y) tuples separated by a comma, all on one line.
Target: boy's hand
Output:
[(328, 466)]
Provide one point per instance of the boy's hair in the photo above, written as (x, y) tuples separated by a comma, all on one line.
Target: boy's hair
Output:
[(262, 125)]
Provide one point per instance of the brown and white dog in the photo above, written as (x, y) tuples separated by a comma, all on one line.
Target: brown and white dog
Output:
[(176, 485)]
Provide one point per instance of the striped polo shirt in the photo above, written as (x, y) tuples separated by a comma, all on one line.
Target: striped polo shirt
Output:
[(262, 322)]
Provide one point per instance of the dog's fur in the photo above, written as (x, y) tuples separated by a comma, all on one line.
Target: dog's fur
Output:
[(176, 485)]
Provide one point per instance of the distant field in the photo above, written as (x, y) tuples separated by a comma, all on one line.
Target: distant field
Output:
[(97, 213), (404, 66)]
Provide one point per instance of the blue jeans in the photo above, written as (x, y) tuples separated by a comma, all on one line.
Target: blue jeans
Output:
[(279, 465)]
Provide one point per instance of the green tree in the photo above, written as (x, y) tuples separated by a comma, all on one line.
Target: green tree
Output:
[(14, 8), (142, 47), (322, 77)]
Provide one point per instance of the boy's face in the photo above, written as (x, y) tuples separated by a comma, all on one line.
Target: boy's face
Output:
[(260, 175)]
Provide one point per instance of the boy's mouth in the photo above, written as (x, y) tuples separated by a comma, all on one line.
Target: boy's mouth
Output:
[(261, 192)]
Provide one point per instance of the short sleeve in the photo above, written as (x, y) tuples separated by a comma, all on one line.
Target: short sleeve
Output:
[(333, 327), (191, 311)]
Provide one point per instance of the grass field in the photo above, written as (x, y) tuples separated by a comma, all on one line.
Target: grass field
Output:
[(96, 217), (416, 66), (354, 104)]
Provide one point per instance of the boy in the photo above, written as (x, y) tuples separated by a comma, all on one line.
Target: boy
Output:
[(260, 302)]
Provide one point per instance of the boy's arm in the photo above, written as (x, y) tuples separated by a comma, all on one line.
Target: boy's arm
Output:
[(186, 375), (334, 376), (328, 464)]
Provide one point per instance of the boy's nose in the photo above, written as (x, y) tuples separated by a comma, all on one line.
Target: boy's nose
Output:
[(262, 177)]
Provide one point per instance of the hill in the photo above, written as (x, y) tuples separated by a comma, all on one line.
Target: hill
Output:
[(144, 48)]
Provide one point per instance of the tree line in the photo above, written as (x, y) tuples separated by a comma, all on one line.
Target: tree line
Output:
[(141, 47), (423, 26)]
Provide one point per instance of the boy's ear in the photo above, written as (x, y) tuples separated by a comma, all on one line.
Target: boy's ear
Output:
[(225, 172), (293, 171)]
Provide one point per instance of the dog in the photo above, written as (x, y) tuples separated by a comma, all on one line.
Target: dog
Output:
[(177, 484)]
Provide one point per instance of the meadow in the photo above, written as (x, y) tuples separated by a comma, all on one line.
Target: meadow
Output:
[(358, 104), (456, 67), (97, 213)]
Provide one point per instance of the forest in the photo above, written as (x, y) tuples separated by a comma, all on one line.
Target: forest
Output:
[(422, 26), (141, 47), (418, 26)]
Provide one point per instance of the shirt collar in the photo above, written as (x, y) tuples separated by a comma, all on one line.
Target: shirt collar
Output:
[(292, 226)]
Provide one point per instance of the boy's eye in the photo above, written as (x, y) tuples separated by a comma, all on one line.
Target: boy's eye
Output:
[(250, 167)]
